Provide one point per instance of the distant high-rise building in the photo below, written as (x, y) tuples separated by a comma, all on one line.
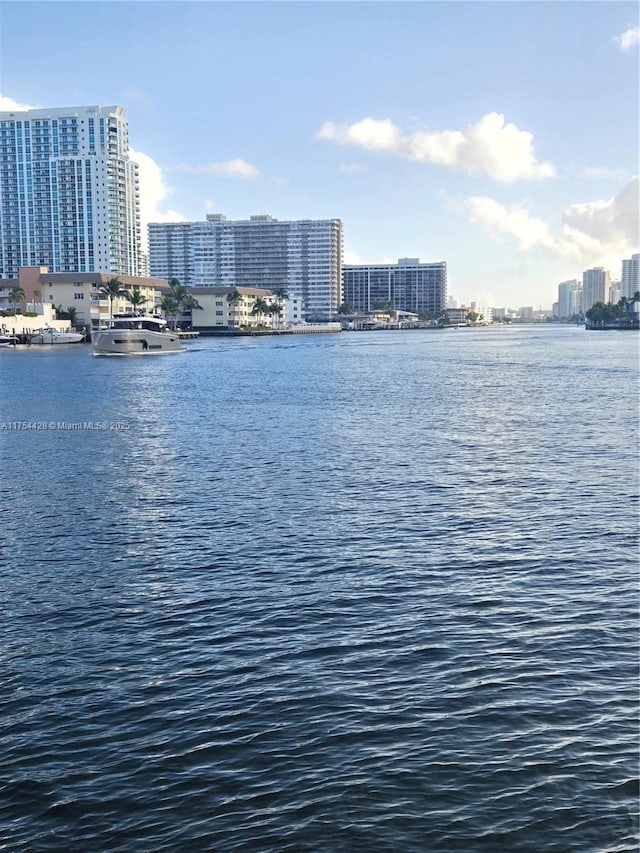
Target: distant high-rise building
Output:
[(568, 298), (304, 256), (615, 292), (69, 197), (407, 285), (629, 284), (595, 287)]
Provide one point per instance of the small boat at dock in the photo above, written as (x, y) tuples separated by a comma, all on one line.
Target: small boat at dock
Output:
[(55, 336)]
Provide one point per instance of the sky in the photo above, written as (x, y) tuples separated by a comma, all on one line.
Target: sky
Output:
[(500, 137)]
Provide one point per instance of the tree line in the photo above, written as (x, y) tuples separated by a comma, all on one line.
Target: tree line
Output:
[(621, 313)]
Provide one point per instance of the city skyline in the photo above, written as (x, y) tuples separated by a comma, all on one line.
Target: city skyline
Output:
[(501, 138)]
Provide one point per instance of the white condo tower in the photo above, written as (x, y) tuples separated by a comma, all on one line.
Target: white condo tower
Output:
[(69, 196)]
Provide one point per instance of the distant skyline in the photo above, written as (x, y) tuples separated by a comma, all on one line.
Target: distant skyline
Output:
[(500, 137)]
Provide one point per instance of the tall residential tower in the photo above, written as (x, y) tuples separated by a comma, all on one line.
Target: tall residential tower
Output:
[(569, 298), (69, 197), (408, 285), (630, 279), (595, 287), (304, 256)]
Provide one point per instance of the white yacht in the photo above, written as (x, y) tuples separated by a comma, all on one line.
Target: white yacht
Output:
[(55, 336), (136, 334)]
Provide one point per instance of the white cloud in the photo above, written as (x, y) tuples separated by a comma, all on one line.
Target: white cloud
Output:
[(610, 222), (7, 104), (351, 257), (153, 191), (513, 221), (629, 39), (490, 146), (236, 168), (602, 231)]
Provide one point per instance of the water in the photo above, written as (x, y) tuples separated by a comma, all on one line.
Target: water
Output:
[(338, 593)]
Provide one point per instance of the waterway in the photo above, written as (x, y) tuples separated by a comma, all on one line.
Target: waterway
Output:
[(354, 592)]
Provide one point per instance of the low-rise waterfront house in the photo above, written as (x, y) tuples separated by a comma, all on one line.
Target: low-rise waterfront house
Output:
[(457, 316), (234, 308), (80, 291)]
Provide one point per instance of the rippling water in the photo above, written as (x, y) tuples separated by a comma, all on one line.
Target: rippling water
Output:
[(358, 592)]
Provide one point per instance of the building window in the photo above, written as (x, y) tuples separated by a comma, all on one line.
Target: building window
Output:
[(77, 296)]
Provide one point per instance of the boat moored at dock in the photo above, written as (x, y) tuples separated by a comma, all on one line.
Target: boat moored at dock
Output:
[(49, 335), (136, 334)]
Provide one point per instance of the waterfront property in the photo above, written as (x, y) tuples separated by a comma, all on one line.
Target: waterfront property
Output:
[(24, 324), (84, 292), (233, 308), (624, 315), (304, 257), (69, 191), (408, 285)]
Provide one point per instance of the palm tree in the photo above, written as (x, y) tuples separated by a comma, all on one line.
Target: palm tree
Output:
[(282, 295), (134, 296), (276, 311), (189, 301), (170, 308), (72, 314), (260, 307), (17, 293), (182, 297), (112, 289), (233, 298)]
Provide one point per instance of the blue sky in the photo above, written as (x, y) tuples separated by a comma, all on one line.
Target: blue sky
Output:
[(501, 137)]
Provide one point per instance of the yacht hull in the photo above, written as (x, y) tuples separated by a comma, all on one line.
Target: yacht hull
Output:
[(48, 337), (136, 342)]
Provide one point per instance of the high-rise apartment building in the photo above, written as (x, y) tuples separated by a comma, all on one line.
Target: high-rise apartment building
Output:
[(69, 197), (595, 287), (407, 285), (630, 279), (304, 256), (569, 298)]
